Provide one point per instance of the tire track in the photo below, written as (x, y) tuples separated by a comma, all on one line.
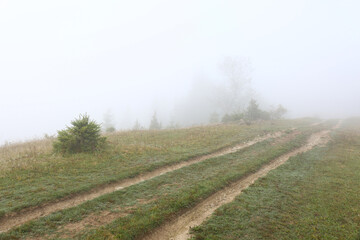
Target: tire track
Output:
[(178, 229), (16, 219)]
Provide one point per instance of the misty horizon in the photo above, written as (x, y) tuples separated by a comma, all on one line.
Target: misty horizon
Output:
[(62, 59)]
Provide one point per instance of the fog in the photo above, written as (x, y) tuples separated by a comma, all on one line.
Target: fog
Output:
[(129, 59)]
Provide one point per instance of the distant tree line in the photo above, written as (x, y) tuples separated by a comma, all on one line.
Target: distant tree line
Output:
[(226, 101), (85, 135), (253, 113)]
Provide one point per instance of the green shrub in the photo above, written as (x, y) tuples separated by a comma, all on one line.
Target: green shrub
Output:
[(110, 129), (254, 113), (233, 117), (82, 136)]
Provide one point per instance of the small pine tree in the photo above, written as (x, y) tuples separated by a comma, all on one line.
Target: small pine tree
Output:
[(154, 124), (173, 125), (108, 122), (137, 126), (253, 112), (82, 136)]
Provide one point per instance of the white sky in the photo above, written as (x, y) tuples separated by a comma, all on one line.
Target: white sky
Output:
[(62, 58)]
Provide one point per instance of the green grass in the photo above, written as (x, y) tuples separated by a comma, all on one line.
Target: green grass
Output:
[(30, 180), (315, 195), (170, 193)]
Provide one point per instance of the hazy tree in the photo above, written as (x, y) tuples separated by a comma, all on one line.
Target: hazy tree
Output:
[(154, 124), (226, 118), (233, 117), (209, 100), (137, 126), (197, 106), (253, 111), (214, 117), (278, 113), (235, 93), (264, 115), (173, 125), (110, 129), (108, 123), (228, 94)]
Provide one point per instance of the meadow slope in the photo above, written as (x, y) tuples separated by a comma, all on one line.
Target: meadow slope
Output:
[(181, 152), (61, 218), (30, 174), (314, 195)]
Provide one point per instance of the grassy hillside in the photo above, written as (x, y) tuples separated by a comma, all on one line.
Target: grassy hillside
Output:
[(313, 196), (143, 207), (30, 174)]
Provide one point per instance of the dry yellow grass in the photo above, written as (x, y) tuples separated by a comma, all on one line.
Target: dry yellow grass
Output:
[(23, 153)]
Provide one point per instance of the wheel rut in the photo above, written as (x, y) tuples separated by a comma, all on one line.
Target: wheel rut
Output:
[(178, 229), (16, 219)]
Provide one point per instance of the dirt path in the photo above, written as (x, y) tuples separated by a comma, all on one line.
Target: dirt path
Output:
[(17, 219), (179, 228)]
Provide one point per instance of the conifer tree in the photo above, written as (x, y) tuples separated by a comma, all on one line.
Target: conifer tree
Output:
[(154, 124)]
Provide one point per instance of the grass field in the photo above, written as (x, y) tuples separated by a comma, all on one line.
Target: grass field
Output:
[(145, 206), (315, 195), (135, 211), (31, 175)]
